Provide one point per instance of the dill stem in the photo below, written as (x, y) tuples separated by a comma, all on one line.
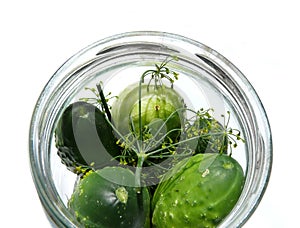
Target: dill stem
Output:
[(138, 171), (103, 100)]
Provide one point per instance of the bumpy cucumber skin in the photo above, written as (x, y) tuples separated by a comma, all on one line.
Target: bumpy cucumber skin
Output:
[(157, 103), (84, 137), (96, 204), (199, 192)]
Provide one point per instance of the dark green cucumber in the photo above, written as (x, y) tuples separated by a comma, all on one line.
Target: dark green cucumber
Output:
[(213, 137), (199, 191), (108, 198), (84, 137)]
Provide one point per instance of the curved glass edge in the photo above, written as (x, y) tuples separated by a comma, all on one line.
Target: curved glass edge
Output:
[(263, 156), (90, 52), (40, 178)]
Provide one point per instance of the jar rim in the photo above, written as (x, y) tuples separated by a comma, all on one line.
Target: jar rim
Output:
[(213, 59)]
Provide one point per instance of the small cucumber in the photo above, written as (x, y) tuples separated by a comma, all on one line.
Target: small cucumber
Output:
[(84, 137), (108, 198), (199, 191)]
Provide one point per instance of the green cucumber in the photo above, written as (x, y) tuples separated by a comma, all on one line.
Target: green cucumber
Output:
[(160, 106), (199, 191), (109, 198), (213, 137), (84, 137)]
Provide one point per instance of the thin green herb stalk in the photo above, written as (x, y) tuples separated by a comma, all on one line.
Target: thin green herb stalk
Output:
[(100, 99), (152, 139), (104, 103), (140, 110), (161, 72)]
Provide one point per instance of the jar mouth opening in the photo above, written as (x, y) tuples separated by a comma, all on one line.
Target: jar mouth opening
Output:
[(143, 47)]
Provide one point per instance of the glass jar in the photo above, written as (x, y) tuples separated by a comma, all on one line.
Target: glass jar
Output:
[(208, 80)]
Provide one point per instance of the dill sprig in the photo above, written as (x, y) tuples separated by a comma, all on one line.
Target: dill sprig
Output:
[(161, 72)]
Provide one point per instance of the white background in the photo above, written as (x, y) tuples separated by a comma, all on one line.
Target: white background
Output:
[(260, 37)]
